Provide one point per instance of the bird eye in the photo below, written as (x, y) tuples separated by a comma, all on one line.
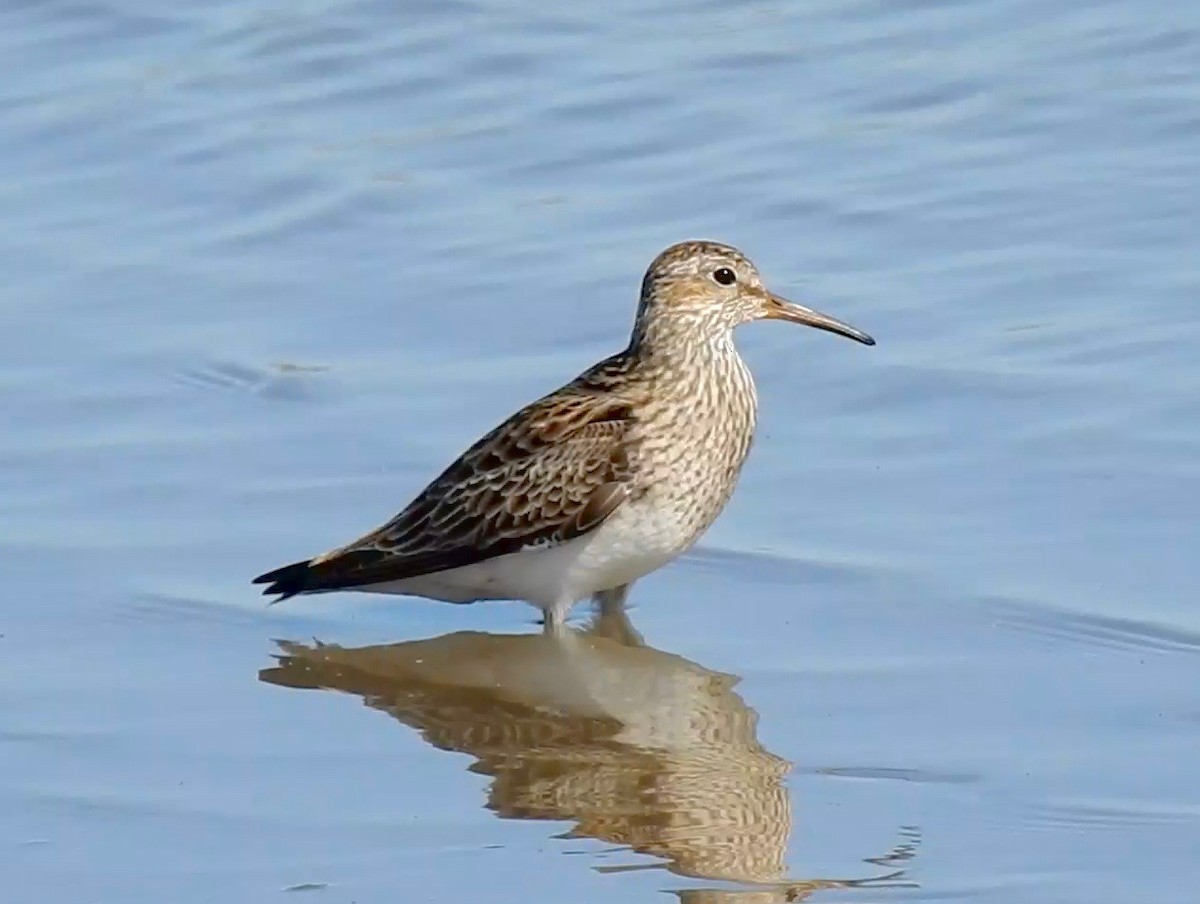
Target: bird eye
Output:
[(724, 276)]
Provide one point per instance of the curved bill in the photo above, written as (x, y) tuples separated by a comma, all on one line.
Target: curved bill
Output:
[(782, 309)]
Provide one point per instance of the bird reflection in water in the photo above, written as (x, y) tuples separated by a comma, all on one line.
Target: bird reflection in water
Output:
[(637, 747)]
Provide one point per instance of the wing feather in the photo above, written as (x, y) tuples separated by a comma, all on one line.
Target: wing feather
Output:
[(554, 471)]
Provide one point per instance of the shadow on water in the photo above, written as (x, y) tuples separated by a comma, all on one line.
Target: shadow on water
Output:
[(637, 747)]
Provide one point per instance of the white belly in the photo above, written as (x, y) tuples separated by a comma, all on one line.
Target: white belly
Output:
[(636, 540)]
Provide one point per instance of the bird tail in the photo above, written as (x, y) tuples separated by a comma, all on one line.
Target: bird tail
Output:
[(340, 569), (288, 581)]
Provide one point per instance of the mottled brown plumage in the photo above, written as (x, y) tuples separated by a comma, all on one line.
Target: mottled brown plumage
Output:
[(494, 499), (599, 482)]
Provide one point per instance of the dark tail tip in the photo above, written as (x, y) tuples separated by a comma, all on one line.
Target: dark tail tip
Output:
[(286, 581)]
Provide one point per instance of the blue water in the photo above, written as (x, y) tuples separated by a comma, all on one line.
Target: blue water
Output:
[(267, 267)]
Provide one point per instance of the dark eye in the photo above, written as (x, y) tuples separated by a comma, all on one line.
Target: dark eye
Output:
[(724, 276)]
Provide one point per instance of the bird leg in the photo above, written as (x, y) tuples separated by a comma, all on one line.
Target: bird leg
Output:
[(554, 619), (611, 600)]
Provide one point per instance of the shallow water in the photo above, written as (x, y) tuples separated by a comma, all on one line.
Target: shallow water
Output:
[(267, 267)]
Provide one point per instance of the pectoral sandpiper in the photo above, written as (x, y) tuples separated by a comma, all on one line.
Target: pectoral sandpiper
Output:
[(598, 483)]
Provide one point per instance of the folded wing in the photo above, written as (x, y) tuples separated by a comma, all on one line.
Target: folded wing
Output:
[(553, 471)]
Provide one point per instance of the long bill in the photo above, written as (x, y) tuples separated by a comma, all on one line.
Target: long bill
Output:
[(781, 309)]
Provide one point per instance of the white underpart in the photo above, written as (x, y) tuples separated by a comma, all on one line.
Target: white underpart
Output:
[(639, 538)]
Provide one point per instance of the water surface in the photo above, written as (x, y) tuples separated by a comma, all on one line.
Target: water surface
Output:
[(267, 268)]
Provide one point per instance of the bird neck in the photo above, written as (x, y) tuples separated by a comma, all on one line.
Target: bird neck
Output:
[(701, 390), (682, 342), (701, 368)]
